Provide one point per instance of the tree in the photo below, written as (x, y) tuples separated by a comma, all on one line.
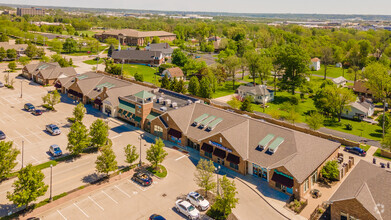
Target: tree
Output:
[(246, 105), (234, 102), (180, 87), (8, 156), (31, 51), (226, 201), (165, 82), (111, 41), (315, 120), (179, 58), (156, 40), (387, 122), (28, 187), (52, 98), (139, 77), (78, 138), (173, 84), (12, 66), (70, 45), (295, 60), (114, 69), (265, 66), (4, 38), (379, 82), (110, 50), (232, 63), (106, 161), (156, 153), (292, 116), (386, 142), (204, 176), (24, 61), (56, 45), (253, 63), (99, 133), (205, 88), (327, 58), (194, 86), (3, 54), (131, 154), (79, 111), (11, 54), (330, 170)]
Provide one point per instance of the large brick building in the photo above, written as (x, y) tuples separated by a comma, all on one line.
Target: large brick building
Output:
[(133, 37), (30, 11)]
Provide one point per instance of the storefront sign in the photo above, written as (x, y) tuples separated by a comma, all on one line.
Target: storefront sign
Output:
[(283, 174), (220, 146)]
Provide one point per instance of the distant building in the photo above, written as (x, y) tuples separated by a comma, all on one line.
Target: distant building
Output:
[(315, 64), (340, 81), (165, 48), (153, 58), (30, 11), (260, 93), (133, 37), (172, 73), (358, 110), (360, 88)]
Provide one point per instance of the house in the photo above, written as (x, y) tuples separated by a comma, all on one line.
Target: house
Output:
[(365, 194), (165, 48), (174, 72), (361, 89), (359, 110), (47, 73), (260, 93), (338, 65), (287, 160), (153, 58), (340, 81), (20, 48), (133, 37), (315, 64)]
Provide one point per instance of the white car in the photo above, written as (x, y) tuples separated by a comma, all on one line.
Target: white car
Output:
[(187, 209), (197, 200)]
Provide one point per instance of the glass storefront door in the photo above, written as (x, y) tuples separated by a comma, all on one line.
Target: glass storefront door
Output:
[(260, 172)]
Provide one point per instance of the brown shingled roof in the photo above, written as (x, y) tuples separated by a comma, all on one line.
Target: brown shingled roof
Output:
[(175, 72), (136, 33)]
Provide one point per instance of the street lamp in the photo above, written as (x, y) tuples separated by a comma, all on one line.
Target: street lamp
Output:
[(217, 175), (21, 89), (51, 182), (140, 138)]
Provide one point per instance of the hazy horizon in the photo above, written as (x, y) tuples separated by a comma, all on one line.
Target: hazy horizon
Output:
[(245, 6)]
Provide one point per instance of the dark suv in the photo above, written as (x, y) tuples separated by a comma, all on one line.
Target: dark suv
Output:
[(29, 107), (142, 179), (356, 150)]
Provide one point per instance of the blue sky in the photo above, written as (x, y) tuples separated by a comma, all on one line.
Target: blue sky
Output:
[(245, 6)]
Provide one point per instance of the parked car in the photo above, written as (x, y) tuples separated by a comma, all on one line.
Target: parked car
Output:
[(55, 150), (198, 201), (187, 209), (53, 129), (1, 84), (356, 150), (156, 217), (2, 135), (37, 112), (29, 107), (142, 178)]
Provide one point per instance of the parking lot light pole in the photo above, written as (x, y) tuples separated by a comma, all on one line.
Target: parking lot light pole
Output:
[(51, 182), (217, 175), (140, 138), (21, 89), (22, 152)]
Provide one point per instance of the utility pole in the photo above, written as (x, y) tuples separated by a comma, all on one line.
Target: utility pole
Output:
[(21, 89), (51, 182), (140, 138)]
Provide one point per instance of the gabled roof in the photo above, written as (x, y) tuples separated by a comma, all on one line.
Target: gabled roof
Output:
[(144, 95), (136, 55), (315, 59), (339, 80), (359, 86), (370, 185), (162, 47), (259, 90), (175, 72)]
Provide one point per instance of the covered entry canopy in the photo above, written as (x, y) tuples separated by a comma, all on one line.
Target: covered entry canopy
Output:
[(283, 180)]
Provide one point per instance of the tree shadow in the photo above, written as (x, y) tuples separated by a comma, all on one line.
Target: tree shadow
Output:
[(377, 135), (280, 99), (92, 178)]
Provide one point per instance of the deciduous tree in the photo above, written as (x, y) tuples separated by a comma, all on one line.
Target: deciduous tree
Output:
[(246, 105), (156, 153), (8, 156), (131, 154), (106, 162), (194, 86), (330, 170), (204, 175), (232, 63), (78, 138), (99, 133), (315, 120), (79, 111), (52, 99)]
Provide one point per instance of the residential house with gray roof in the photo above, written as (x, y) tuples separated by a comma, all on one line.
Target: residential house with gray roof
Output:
[(259, 93), (152, 58)]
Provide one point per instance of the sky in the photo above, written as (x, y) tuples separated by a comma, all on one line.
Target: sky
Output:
[(378, 7)]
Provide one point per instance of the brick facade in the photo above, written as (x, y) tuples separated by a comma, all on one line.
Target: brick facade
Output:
[(350, 207)]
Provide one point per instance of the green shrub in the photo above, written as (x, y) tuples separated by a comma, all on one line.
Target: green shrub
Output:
[(348, 127), (294, 100), (47, 106)]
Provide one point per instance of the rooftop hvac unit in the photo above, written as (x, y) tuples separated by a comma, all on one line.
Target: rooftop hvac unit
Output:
[(167, 102), (174, 104), (160, 100), (163, 109), (198, 101), (189, 101)]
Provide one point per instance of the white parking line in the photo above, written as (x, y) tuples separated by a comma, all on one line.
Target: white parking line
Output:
[(116, 136), (73, 167), (10, 117), (81, 210), (138, 186), (61, 215), (122, 191), (109, 197), (96, 203), (35, 134), (35, 159), (22, 136), (181, 157), (2, 121)]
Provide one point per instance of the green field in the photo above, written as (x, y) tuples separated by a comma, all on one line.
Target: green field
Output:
[(148, 72), (92, 62), (335, 72), (225, 89)]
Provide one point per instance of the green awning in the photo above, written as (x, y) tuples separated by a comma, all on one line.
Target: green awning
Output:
[(152, 116), (126, 106), (144, 95), (266, 140), (136, 118)]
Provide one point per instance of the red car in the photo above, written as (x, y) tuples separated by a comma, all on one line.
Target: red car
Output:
[(37, 112)]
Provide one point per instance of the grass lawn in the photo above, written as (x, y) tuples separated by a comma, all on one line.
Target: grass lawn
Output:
[(361, 129), (161, 174), (334, 72), (378, 154), (92, 62), (225, 89), (90, 33), (148, 72)]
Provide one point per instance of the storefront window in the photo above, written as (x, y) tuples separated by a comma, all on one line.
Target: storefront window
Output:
[(306, 186), (344, 216), (158, 131), (260, 172), (234, 166), (207, 154)]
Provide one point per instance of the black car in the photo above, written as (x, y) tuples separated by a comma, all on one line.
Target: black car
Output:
[(356, 150), (156, 217), (2, 135), (29, 107), (142, 179)]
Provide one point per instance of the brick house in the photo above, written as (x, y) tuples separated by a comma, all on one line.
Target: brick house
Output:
[(133, 37)]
